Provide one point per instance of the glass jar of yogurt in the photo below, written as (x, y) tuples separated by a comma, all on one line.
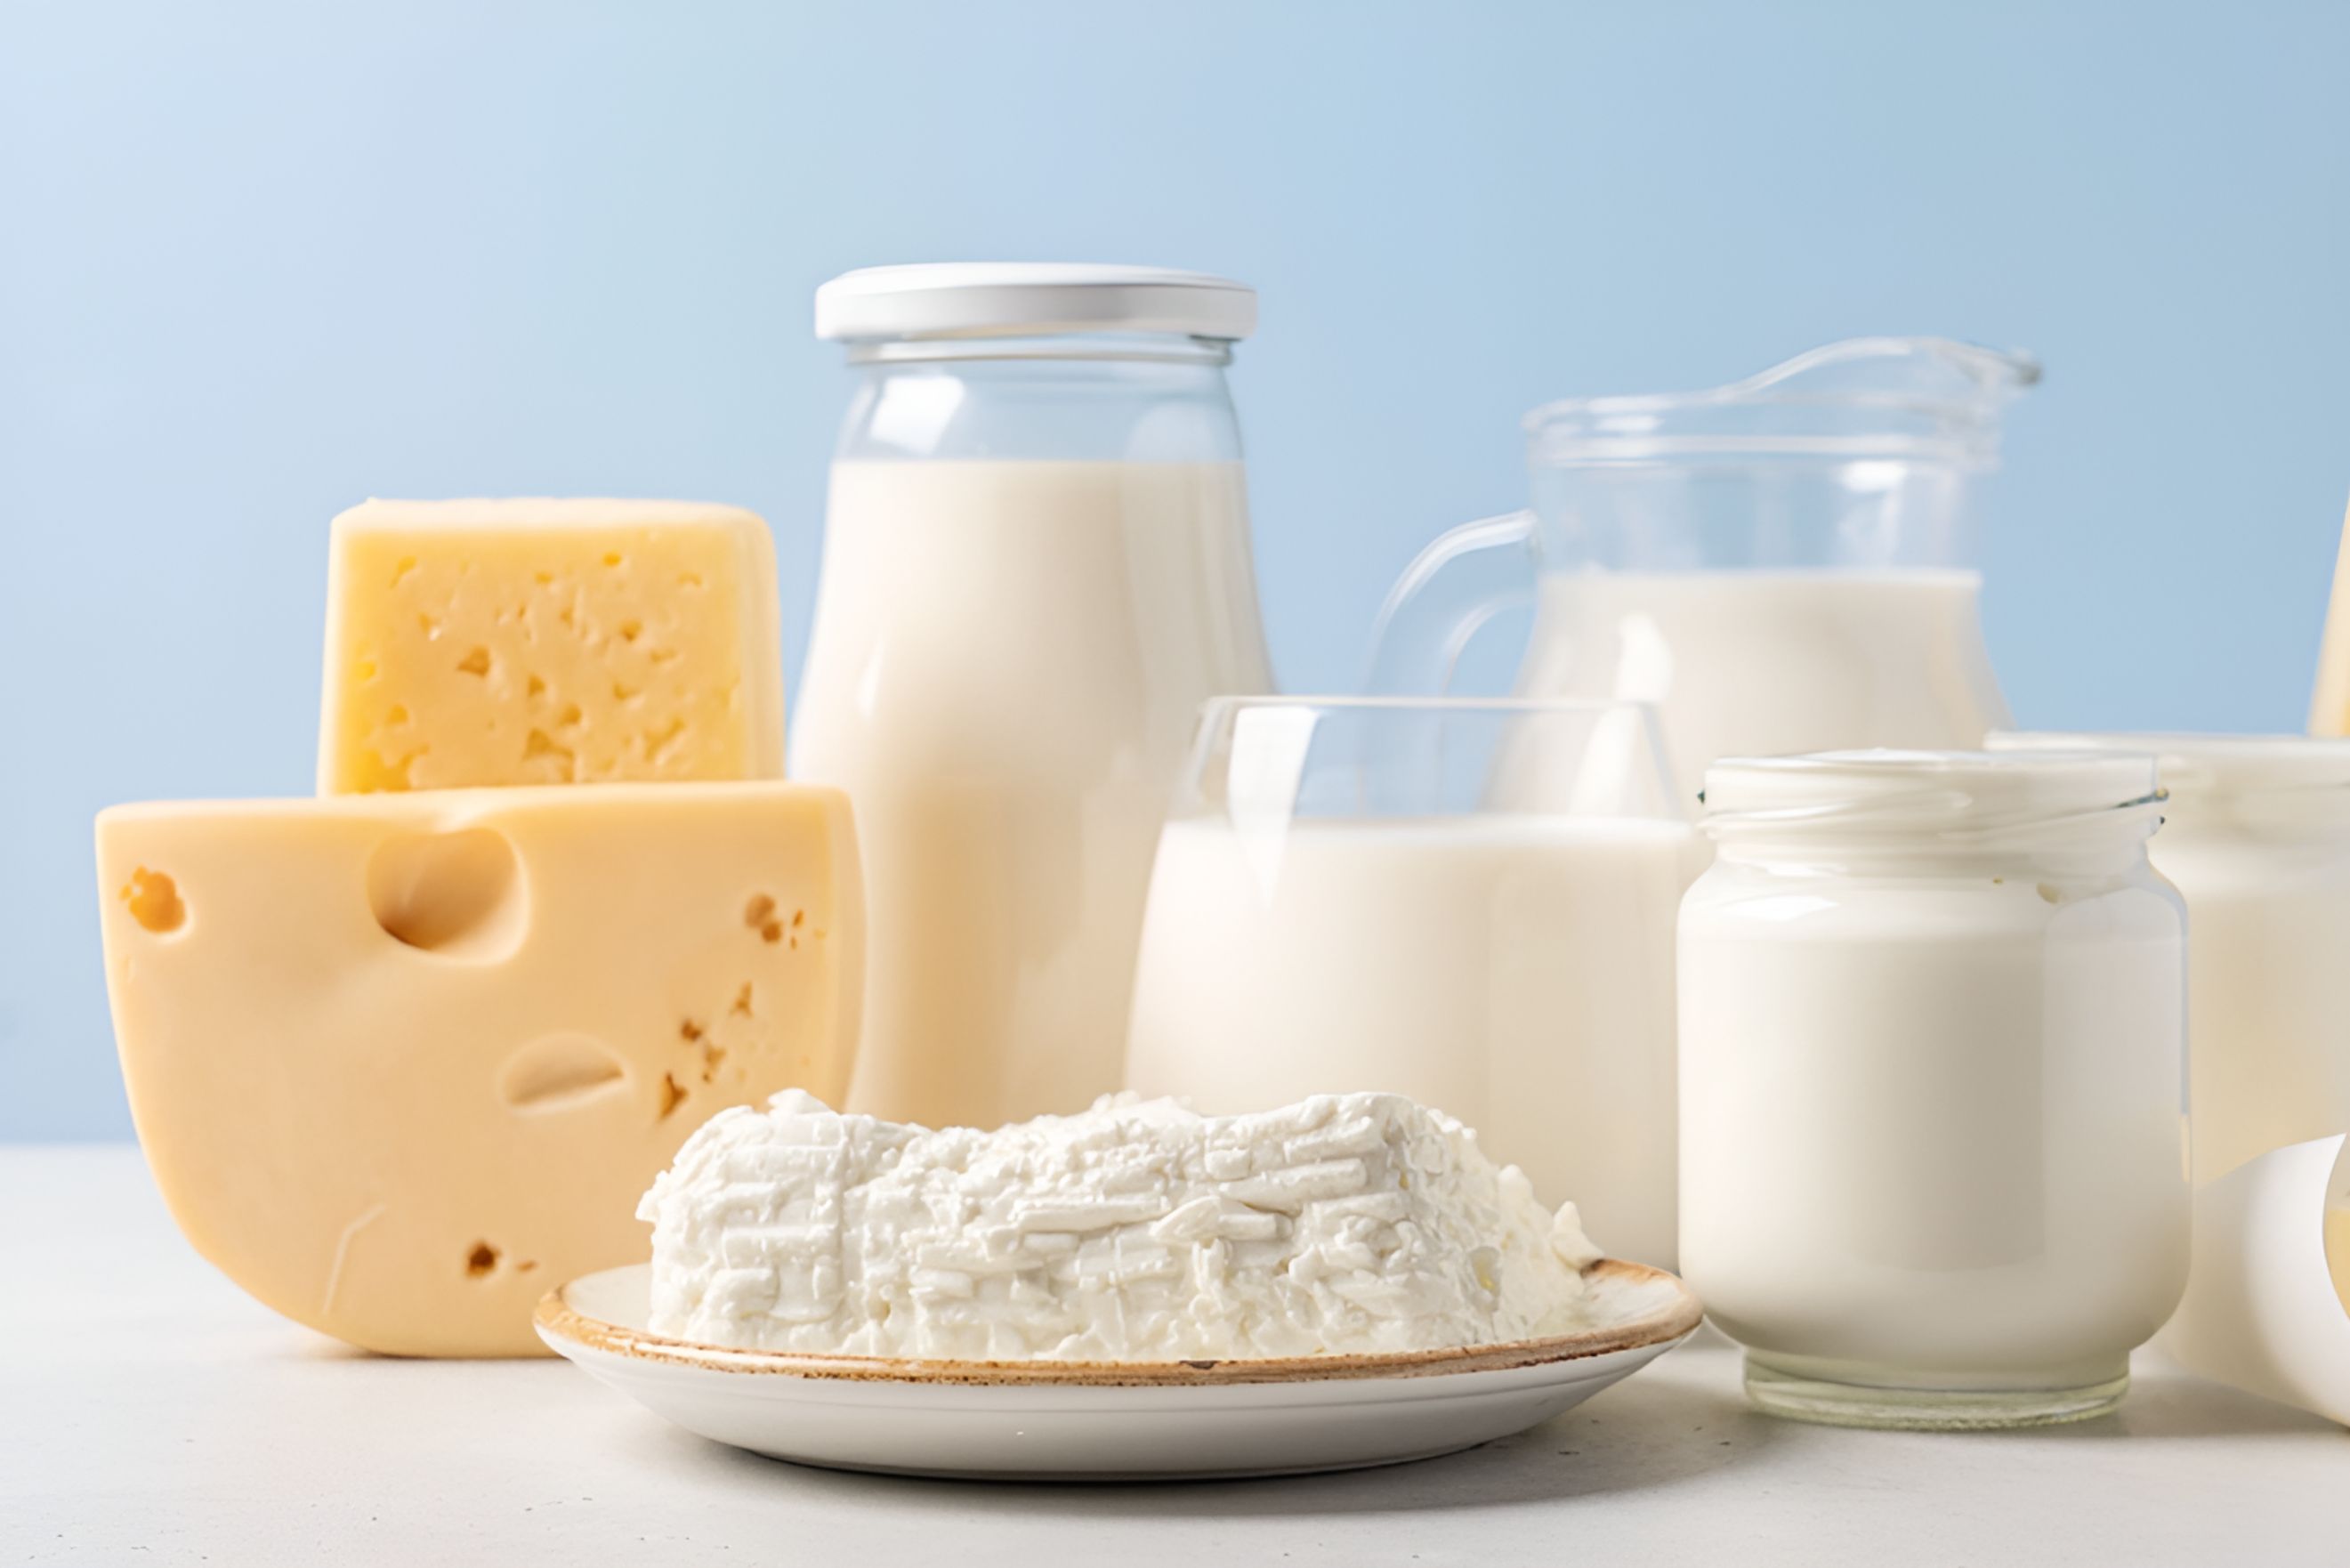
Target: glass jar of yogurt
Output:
[(1932, 1005), (2256, 836)]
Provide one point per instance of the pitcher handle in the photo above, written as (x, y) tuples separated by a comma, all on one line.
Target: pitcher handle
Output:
[(1465, 578)]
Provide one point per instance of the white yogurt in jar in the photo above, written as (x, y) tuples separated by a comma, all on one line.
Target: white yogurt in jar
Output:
[(2256, 836), (1933, 1022)]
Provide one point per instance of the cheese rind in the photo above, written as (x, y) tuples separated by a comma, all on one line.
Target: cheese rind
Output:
[(550, 641), (402, 1063)]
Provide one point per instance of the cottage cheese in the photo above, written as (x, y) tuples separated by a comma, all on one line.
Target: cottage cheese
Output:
[(1137, 1230)]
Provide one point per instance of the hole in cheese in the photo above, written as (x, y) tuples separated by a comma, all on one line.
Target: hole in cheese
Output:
[(481, 1260), (556, 1072), (460, 894), (154, 900), (660, 739)]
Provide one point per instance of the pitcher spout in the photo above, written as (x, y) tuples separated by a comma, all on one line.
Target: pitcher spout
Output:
[(1903, 371), (1917, 398)]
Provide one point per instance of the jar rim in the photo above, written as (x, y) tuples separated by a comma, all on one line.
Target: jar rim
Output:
[(1889, 794), (1122, 347), (2200, 763)]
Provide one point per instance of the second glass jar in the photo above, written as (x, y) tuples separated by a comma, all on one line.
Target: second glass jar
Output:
[(1934, 1166)]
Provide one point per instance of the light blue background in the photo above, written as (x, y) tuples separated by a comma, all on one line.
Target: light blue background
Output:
[(256, 263)]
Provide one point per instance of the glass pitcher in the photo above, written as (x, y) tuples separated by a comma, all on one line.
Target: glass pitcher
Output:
[(1785, 563)]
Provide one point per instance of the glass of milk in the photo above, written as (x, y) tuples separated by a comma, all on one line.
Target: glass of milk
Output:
[(1785, 563), (1933, 1134), (1340, 904)]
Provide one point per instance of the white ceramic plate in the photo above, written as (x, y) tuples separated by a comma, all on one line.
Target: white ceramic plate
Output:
[(1102, 1420)]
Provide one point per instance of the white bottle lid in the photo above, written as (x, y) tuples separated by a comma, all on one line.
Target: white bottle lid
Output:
[(1000, 299)]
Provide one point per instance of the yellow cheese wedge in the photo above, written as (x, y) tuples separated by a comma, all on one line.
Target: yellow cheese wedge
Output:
[(517, 642), (402, 1063), (2329, 706)]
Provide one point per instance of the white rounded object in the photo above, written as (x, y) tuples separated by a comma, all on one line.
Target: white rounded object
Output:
[(1001, 299)]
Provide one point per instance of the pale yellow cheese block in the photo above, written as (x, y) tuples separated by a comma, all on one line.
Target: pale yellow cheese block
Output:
[(517, 642), (402, 1063)]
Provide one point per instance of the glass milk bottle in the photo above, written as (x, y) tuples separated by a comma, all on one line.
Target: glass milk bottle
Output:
[(1933, 1141), (1035, 569), (1785, 563)]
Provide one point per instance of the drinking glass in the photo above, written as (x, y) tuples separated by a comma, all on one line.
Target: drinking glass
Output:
[(1341, 903)]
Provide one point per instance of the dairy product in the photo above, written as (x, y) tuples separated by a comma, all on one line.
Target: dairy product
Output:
[(2329, 703), (403, 1063), (1932, 1035), (2269, 1011), (1753, 663), (1006, 662), (509, 642), (1516, 971), (2256, 836), (1135, 1231)]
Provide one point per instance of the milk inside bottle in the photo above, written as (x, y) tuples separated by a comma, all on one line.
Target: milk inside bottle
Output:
[(1782, 565), (1036, 567)]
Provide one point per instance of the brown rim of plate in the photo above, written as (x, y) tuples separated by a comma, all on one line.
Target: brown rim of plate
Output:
[(558, 1319)]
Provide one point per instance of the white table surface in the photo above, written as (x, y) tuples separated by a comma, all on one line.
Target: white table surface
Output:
[(149, 1413)]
